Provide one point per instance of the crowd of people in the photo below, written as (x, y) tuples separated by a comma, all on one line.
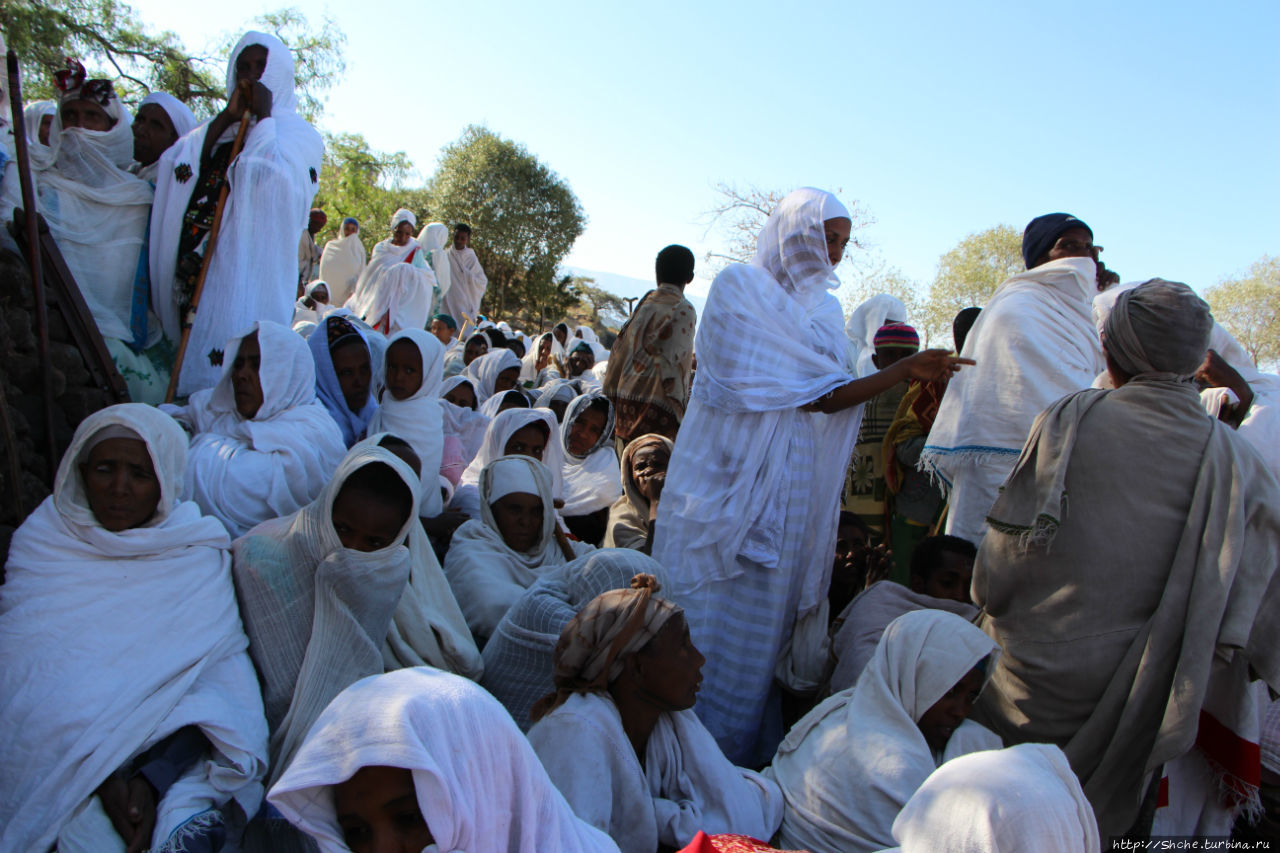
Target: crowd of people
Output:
[(390, 574)]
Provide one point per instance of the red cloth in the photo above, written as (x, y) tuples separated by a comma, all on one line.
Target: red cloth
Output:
[(703, 843)]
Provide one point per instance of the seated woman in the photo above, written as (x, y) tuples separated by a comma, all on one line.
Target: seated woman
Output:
[(411, 409), (582, 360), (1000, 801), (644, 472), (850, 765), (494, 372), (318, 589), (462, 420), (495, 558), (621, 741), (476, 346), (344, 374), (519, 658), (536, 368), (313, 305), (528, 432), (262, 444), (129, 711), (556, 395), (422, 760), (592, 480), (503, 400)]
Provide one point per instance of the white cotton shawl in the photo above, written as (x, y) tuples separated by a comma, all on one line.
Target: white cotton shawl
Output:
[(529, 372), (487, 576), (317, 613), (496, 436), (254, 272), (427, 628), (467, 425), (341, 263), (863, 324), (685, 786), (467, 283), (485, 369), (999, 801), (594, 481), (110, 642), (244, 472), (556, 389), (399, 292), (850, 765), (432, 238), (480, 787), (184, 121), (1034, 342), (419, 420), (97, 212), (1261, 424), (744, 439), (519, 659), (493, 406)]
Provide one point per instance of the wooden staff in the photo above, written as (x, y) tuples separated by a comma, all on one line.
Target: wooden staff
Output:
[(563, 541), (33, 256), (189, 320)]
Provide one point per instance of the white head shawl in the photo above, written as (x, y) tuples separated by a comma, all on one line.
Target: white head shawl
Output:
[(499, 432), (529, 364), (594, 481), (278, 76), (485, 369), (403, 215), (861, 751), (863, 324), (419, 419), (793, 245), (480, 786), (434, 238), (514, 473), (80, 703), (467, 425), (184, 121), (400, 292), (561, 390), (490, 408), (245, 471), (1000, 801)]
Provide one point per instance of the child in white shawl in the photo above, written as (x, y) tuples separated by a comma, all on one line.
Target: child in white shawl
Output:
[(317, 590), (999, 801), (460, 775), (263, 446), (529, 432), (119, 641), (411, 408), (461, 418), (503, 400), (621, 741), (850, 765), (494, 372), (592, 479), (494, 559)]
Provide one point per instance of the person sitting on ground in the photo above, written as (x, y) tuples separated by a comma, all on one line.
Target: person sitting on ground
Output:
[(462, 419), (644, 471), (556, 395), (493, 559), (649, 364), (313, 306), (857, 564), (941, 571), (581, 359), (317, 591), (851, 764), (503, 400), (444, 328), (592, 479), (999, 801), (342, 261), (262, 445), (519, 658), (494, 372), (560, 348), (528, 432), (161, 121), (344, 374), (535, 367), (477, 344), (619, 737), (130, 715), (423, 760)]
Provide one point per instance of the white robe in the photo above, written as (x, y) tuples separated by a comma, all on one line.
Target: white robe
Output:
[(592, 482), (254, 272), (685, 786), (341, 263), (467, 285), (419, 419)]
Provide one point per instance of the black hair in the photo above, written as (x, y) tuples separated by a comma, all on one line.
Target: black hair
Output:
[(601, 405), (463, 227), (674, 265), (379, 481), (519, 395), (495, 336), (849, 519), (929, 551), (516, 346), (390, 441), (961, 325)]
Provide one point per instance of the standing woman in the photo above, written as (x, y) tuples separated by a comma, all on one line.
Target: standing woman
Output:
[(342, 261), (747, 521)]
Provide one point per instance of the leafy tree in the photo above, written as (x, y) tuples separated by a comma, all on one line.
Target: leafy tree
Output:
[(358, 181), (525, 217), (969, 274), (598, 307), (1249, 308), (874, 276)]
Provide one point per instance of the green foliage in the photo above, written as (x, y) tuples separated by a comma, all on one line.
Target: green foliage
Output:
[(875, 276), (597, 307), (524, 217), (1249, 308), (112, 42), (358, 181), (969, 274)]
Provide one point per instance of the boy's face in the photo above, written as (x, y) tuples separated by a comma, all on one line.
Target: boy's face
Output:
[(951, 578), (886, 356)]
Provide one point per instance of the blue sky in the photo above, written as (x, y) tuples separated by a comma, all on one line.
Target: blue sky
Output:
[(1157, 123)]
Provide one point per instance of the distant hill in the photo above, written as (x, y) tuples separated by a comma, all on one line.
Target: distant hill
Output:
[(628, 286)]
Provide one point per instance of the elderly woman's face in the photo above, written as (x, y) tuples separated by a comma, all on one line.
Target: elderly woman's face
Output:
[(519, 519), (120, 483), (86, 115), (649, 470), (837, 233), (246, 383), (401, 235), (671, 667)]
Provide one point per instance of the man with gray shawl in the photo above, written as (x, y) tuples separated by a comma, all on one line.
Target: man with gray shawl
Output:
[(1133, 615)]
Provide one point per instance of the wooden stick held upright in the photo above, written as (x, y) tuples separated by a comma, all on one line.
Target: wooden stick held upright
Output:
[(189, 320), (31, 209)]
